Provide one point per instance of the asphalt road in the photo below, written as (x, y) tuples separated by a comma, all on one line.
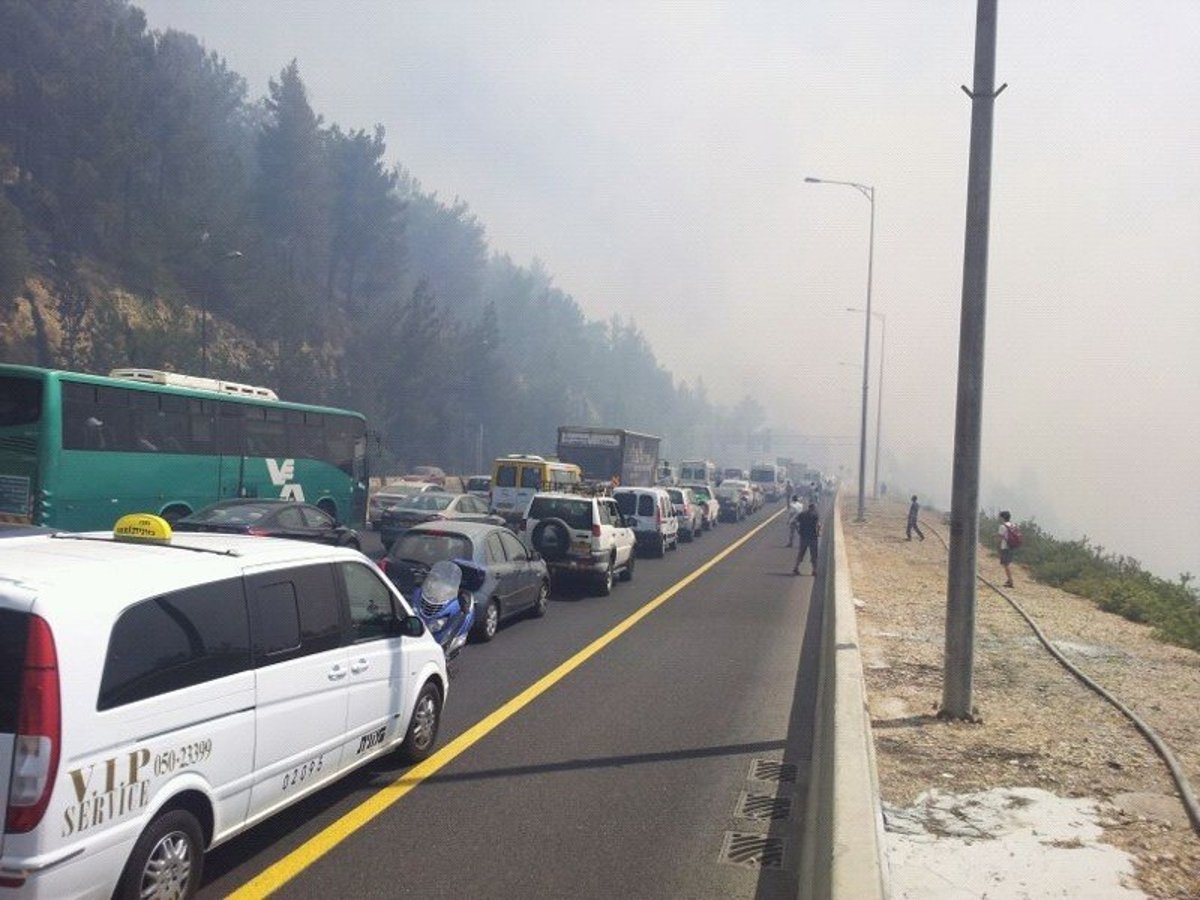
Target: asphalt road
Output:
[(624, 779)]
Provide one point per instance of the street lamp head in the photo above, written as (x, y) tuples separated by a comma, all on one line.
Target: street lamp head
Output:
[(234, 254), (812, 180)]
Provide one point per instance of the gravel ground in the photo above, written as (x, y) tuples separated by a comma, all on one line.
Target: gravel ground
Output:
[(1038, 725)]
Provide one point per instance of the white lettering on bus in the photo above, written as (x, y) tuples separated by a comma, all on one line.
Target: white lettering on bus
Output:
[(281, 476)]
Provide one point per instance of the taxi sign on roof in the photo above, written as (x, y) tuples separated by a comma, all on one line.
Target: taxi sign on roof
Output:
[(142, 527)]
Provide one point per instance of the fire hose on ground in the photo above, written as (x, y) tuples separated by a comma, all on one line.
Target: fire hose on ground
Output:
[(1186, 793)]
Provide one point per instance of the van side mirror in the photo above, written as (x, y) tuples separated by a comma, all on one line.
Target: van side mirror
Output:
[(409, 626)]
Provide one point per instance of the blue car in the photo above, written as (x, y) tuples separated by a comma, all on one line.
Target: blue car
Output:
[(516, 581)]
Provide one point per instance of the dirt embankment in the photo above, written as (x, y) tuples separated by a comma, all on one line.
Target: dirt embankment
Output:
[(1040, 727)]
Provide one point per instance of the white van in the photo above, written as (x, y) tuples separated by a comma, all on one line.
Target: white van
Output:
[(648, 511), (702, 471), (160, 694)]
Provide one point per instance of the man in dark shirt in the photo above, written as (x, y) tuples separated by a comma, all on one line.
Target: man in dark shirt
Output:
[(913, 511), (808, 525)]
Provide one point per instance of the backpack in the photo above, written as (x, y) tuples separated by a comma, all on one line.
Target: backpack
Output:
[(1013, 536)]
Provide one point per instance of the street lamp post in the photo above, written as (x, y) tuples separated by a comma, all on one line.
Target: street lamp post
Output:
[(232, 254), (867, 191), (878, 394)]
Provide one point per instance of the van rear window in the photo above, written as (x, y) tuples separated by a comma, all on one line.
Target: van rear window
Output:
[(14, 631), (506, 476)]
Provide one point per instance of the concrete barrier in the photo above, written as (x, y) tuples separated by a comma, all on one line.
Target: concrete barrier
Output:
[(842, 856)]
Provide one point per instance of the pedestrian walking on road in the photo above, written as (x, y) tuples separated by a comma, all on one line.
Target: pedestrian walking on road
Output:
[(1010, 538), (795, 507), (808, 524), (913, 511)]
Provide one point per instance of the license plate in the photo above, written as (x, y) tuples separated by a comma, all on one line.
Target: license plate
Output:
[(581, 547)]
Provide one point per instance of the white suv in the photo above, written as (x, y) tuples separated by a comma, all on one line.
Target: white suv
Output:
[(650, 513), (580, 535)]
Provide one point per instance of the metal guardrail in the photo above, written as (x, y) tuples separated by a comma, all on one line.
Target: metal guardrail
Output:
[(842, 857)]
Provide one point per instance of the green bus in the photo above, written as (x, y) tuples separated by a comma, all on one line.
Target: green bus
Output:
[(79, 451)]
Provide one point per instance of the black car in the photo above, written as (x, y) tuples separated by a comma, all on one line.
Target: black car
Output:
[(517, 579), (271, 518)]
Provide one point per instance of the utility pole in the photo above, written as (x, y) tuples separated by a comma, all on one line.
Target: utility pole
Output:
[(964, 508), (879, 404)]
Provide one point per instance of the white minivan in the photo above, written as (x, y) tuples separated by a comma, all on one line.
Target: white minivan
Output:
[(648, 511), (161, 693)]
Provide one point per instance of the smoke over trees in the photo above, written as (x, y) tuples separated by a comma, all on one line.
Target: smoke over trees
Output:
[(141, 153)]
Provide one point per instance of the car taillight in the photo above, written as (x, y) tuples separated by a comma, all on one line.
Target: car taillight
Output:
[(595, 531), (382, 564), (39, 729), (523, 523), (258, 532)]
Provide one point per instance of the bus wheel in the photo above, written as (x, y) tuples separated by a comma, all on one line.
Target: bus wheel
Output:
[(328, 507), (174, 513)]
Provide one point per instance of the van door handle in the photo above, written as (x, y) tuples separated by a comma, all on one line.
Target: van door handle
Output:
[(359, 665), (337, 672)]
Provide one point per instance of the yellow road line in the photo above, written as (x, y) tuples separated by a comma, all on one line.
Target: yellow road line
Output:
[(287, 868)]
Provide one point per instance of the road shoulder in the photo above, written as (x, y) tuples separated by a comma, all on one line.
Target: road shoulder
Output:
[(1040, 728)]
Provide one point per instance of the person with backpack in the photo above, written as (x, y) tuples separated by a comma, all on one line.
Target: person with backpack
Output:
[(1010, 540)]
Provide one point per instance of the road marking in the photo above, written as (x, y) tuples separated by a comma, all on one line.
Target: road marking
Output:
[(280, 873)]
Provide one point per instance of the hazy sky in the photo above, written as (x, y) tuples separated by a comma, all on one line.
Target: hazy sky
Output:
[(653, 156)]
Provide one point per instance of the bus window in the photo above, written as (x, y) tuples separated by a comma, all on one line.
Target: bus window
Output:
[(172, 424), (264, 433), (306, 434), (341, 434), (116, 417), (202, 426), (80, 428), (20, 401), (229, 430)]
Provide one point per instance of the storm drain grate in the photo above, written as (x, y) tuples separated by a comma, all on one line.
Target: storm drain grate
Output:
[(772, 770), (756, 851), (763, 807)]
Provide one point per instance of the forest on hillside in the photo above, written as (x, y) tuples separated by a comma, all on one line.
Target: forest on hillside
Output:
[(155, 214)]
